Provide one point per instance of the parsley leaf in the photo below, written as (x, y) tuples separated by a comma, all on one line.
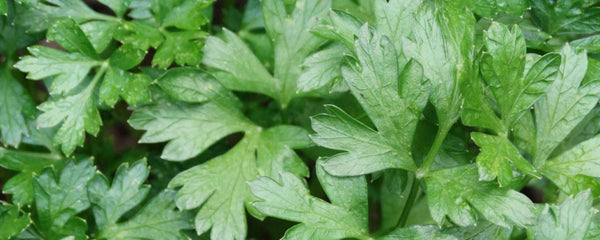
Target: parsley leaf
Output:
[(157, 219), (16, 107), (292, 44), (566, 102), (457, 193), (344, 217), (73, 104), (516, 82), (374, 81), (12, 220), (59, 198), (569, 220), (185, 125), (28, 164)]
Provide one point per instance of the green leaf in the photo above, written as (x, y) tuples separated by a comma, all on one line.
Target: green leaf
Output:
[(569, 19), (441, 38), (223, 179), (138, 34), (68, 35), (133, 87), (39, 14), (3, 7), (497, 158), (119, 7), (322, 69), (99, 33), (482, 230), (67, 69), (292, 44), (231, 55), (189, 15), (417, 233), (492, 8), (16, 107), (575, 169), (367, 150), (569, 220), (12, 220), (503, 69), (183, 48), (59, 200), (78, 114), (591, 43), (394, 20), (182, 123), (393, 99), (344, 217), (192, 127), (566, 102), (28, 164), (190, 85), (126, 57), (345, 27), (157, 219), (457, 193)]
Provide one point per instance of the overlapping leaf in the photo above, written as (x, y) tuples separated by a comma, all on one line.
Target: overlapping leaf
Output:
[(515, 82), (208, 107), (292, 44), (156, 220), (73, 101)]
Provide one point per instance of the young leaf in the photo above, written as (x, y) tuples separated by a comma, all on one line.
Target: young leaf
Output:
[(344, 217), (457, 193), (156, 220), (59, 200), (569, 220)]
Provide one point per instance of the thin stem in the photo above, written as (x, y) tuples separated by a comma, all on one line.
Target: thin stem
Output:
[(412, 195), (437, 143), (98, 75)]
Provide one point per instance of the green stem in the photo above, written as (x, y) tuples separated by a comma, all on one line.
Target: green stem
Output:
[(437, 143), (410, 200), (97, 77)]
